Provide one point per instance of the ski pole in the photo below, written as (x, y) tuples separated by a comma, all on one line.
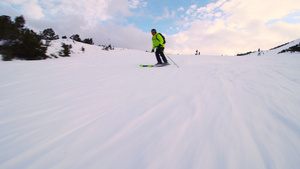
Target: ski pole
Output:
[(171, 60)]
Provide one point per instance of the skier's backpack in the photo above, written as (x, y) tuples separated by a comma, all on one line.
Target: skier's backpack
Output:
[(162, 37)]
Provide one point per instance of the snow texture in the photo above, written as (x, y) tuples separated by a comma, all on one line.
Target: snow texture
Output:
[(100, 109)]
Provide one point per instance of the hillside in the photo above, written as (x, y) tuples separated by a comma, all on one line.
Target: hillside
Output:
[(278, 49), (99, 109)]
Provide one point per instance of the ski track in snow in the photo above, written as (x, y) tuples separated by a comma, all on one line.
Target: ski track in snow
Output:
[(101, 110)]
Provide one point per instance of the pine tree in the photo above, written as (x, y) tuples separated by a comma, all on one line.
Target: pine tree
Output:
[(66, 50), (29, 46), (19, 42), (88, 41), (49, 34), (76, 38)]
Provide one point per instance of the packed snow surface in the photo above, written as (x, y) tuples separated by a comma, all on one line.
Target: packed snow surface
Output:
[(99, 109)]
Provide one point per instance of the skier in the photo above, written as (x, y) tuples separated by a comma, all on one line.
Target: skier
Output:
[(158, 44), (196, 52)]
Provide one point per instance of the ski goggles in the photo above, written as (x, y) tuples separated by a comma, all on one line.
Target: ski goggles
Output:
[(153, 32)]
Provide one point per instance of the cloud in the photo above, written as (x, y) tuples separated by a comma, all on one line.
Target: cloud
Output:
[(221, 27), (166, 15), (93, 10), (97, 19), (191, 9), (231, 27), (130, 37), (30, 8), (180, 9), (137, 3)]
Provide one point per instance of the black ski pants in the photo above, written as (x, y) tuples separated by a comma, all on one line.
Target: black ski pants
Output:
[(159, 53)]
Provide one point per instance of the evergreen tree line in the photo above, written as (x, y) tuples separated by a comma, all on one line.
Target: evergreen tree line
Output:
[(291, 49), (19, 42)]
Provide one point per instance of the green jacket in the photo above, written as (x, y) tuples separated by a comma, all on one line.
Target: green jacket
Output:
[(157, 41)]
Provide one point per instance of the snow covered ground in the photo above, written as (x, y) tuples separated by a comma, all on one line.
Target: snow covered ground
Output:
[(99, 109)]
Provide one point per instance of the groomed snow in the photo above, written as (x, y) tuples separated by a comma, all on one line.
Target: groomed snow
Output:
[(99, 109)]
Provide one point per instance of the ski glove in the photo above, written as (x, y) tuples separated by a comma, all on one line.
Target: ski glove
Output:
[(152, 50)]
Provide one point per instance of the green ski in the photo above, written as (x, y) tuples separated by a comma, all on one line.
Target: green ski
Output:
[(158, 65)]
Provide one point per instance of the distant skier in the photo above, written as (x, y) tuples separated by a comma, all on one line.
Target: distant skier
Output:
[(158, 44), (258, 51), (196, 52)]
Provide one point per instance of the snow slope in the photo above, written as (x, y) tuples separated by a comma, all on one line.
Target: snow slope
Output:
[(278, 49), (99, 109)]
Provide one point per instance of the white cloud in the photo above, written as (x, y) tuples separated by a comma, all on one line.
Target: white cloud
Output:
[(218, 14), (180, 9), (130, 37), (137, 3), (17, 1), (30, 8), (96, 9), (191, 9), (221, 27), (231, 27), (166, 15), (92, 10), (89, 18), (210, 10)]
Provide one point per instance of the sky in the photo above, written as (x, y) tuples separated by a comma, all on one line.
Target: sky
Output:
[(214, 27)]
